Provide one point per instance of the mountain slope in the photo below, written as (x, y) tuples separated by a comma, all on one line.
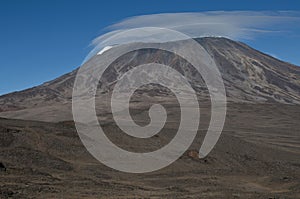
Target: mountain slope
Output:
[(253, 75), (249, 76)]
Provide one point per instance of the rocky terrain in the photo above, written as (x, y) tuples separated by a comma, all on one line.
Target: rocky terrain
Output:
[(257, 156)]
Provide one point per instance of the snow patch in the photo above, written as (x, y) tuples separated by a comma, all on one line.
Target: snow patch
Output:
[(104, 49)]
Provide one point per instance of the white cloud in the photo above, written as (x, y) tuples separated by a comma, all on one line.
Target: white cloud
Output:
[(235, 25)]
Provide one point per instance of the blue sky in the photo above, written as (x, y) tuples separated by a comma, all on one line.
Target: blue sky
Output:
[(41, 40)]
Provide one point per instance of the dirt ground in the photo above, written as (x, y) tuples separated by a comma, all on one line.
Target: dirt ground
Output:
[(257, 156)]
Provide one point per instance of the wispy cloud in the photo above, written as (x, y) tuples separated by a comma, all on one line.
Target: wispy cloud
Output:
[(235, 25)]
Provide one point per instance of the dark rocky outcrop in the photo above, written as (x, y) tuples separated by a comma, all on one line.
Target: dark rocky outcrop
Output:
[(2, 167)]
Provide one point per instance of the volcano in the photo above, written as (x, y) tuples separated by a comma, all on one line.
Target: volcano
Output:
[(257, 155)]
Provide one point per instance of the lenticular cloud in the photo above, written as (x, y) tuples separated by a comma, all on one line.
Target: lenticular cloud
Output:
[(235, 25)]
